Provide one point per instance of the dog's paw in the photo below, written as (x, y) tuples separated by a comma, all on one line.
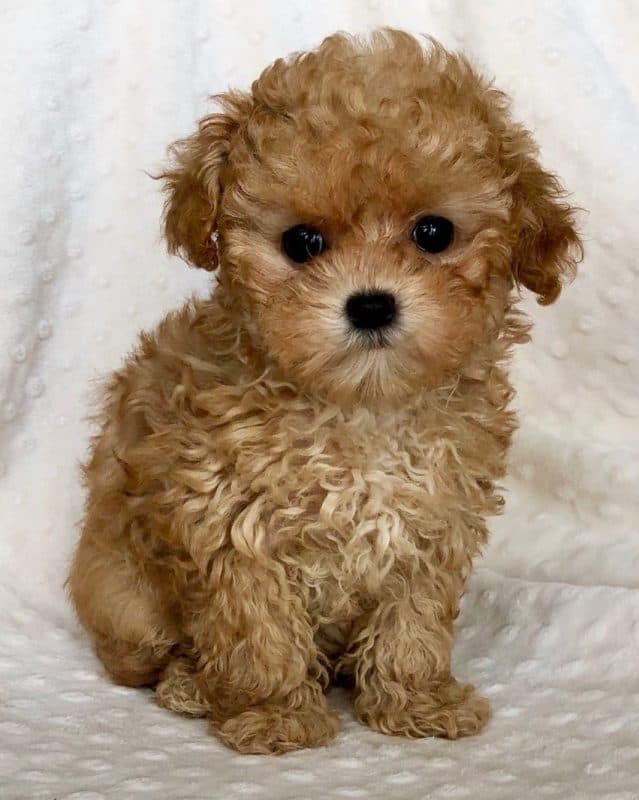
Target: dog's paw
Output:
[(272, 729), (179, 691), (450, 710)]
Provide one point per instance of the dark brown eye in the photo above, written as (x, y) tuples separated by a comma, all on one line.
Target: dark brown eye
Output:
[(433, 234), (302, 243)]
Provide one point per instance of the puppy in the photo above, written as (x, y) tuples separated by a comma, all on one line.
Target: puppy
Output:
[(292, 476)]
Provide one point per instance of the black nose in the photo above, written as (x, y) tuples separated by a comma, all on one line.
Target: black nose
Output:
[(369, 311)]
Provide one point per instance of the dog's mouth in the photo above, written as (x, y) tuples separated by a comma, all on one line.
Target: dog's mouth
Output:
[(373, 340), (368, 341)]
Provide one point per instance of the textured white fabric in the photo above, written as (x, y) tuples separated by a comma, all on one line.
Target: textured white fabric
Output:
[(92, 93)]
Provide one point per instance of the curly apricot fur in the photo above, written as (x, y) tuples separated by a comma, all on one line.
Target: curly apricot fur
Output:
[(271, 500)]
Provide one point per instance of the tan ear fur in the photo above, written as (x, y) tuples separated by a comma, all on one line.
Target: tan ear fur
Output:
[(193, 183), (547, 247)]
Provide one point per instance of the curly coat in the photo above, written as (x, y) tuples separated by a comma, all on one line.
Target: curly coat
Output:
[(271, 502)]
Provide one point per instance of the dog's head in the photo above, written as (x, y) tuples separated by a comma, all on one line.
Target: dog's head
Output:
[(373, 205)]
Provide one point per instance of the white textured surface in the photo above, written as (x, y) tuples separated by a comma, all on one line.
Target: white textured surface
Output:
[(93, 91)]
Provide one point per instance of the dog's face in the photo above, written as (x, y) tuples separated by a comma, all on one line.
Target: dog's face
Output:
[(374, 206)]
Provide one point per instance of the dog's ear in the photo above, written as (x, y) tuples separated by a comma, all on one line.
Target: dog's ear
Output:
[(193, 183), (547, 247)]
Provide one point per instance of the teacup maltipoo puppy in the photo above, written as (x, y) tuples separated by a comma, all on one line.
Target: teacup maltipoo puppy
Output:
[(292, 475)]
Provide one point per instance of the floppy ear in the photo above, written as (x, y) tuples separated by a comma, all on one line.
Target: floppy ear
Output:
[(193, 183), (547, 248)]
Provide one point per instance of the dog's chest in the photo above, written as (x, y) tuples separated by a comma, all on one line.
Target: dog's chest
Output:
[(345, 500)]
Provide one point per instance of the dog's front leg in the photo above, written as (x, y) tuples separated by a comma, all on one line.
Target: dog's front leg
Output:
[(258, 663), (402, 670)]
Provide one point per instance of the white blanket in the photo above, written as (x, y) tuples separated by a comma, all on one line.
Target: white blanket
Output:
[(93, 90)]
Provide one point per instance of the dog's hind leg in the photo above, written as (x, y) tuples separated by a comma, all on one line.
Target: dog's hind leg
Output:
[(119, 607), (179, 689)]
